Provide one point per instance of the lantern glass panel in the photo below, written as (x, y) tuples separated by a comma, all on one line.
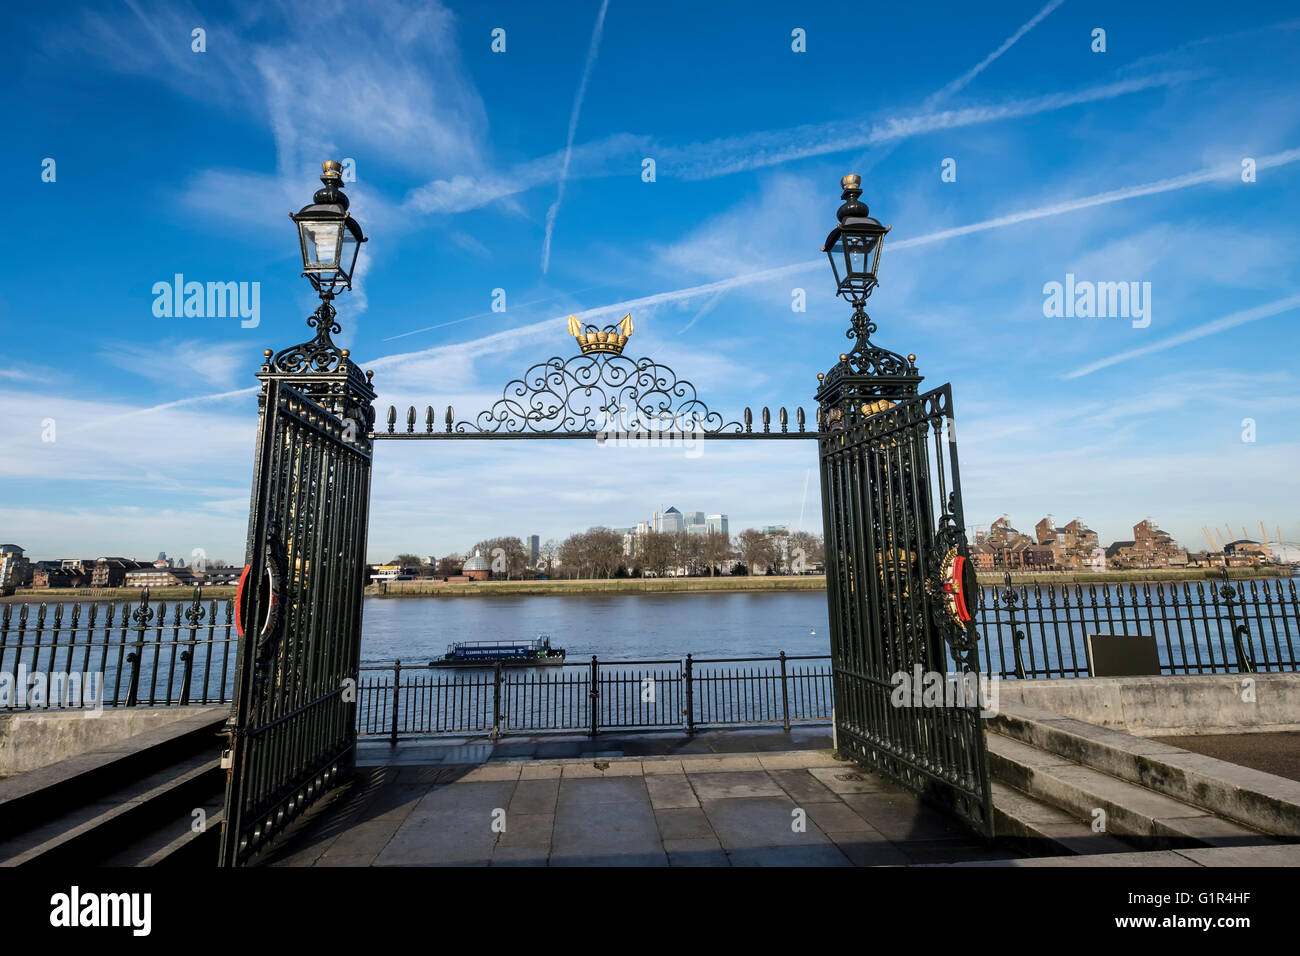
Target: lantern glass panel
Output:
[(348, 254), (321, 245)]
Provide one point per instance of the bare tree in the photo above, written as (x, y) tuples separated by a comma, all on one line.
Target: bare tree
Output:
[(548, 553), (570, 555), (715, 550), (605, 548), (450, 565), (504, 555), (805, 551), (657, 553), (689, 548), (757, 550), (596, 552)]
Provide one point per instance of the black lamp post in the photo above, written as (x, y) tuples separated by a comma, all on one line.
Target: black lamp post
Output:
[(329, 237), (330, 242), (853, 248)]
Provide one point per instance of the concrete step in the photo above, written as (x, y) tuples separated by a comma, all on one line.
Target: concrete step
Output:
[(1143, 818), (176, 842), (94, 831), (1039, 829), (36, 796), (1258, 800)]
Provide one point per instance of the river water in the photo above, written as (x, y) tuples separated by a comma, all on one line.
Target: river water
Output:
[(623, 626)]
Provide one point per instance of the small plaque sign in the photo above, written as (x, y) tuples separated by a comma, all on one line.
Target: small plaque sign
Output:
[(1122, 655)]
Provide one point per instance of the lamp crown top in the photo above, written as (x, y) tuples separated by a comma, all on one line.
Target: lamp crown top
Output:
[(853, 206), (331, 191)]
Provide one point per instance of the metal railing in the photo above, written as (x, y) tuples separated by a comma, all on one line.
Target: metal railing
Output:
[(687, 694), (117, 654), (1200, 627), (157, 652)]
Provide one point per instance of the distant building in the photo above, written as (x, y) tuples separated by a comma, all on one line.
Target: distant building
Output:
[(1013, 551), (15, 570), (157, 577), (213, 577), (1245, 553), (59, 578), (1074, 546), (717, 523), (476, 568), (534, 550), (391, 572), (672, 522), (111, 572), (631, 540), (1150, 548)]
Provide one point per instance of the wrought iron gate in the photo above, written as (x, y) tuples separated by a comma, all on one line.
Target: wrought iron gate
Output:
[(899, 588), (292, 732)]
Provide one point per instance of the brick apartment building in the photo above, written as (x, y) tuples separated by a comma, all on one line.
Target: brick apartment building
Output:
[(1074, 546), (1003, 548), (1150, 548)]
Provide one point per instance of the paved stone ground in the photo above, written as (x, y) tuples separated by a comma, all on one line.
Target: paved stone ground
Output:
[(693, 807), (1274, 752)]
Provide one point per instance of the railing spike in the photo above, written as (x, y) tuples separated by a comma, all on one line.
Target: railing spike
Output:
[(749, 419), (785, 420), (410, 419), (451, 414), (798, 415), (767, 419), (392, 418), (428, 418)]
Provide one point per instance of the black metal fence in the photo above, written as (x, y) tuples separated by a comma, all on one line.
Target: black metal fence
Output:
[(117, 654), (1200, 627), (157, 652), (689, 694)]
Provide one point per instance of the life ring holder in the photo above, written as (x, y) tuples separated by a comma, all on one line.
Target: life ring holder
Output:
[(269, 584), (958, 584)]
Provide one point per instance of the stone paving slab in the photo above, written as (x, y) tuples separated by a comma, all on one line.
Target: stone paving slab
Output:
[(707, 809), (671, 791)]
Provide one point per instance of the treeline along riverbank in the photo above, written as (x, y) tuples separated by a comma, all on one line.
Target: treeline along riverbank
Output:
[(809, 582), (731, 584)]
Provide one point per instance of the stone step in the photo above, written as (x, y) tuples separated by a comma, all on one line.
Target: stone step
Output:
[(94, 831), (1043, 830), (1143, 818), (176, 843), (1253, 798), (37, 796)]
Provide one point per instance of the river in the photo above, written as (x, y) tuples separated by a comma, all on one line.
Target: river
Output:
[(626, 626)]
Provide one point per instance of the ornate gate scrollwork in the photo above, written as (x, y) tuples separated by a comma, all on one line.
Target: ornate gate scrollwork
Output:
[(598, 392)]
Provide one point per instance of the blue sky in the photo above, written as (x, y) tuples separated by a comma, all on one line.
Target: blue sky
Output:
[(1116, 166)]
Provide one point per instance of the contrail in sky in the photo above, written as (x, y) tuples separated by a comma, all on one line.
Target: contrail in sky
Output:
[(959, 84), (554, 211), (490, 343), (964, 80), (1268, 310)]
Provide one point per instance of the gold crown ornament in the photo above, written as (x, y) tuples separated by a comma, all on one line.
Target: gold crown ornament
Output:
[(611, 339)]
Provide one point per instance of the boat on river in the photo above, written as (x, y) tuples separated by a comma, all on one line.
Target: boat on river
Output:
[(535, 653)]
